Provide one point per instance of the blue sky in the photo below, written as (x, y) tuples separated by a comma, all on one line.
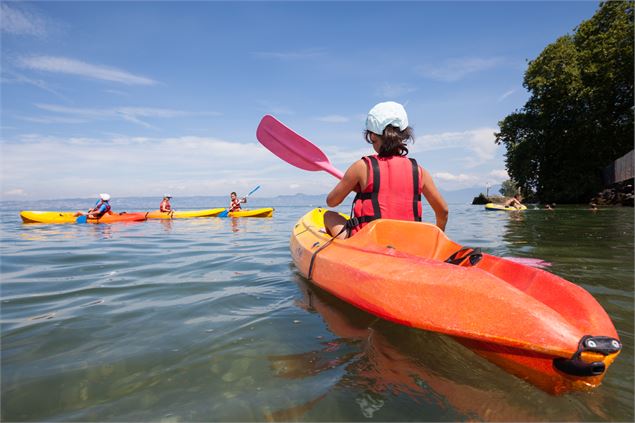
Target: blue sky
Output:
[(142, 98)]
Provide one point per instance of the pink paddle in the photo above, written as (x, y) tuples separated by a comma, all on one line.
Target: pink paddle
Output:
[(302, 153), (293, 148)]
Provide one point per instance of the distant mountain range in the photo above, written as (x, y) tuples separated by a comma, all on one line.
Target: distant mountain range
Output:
[(462, 196)]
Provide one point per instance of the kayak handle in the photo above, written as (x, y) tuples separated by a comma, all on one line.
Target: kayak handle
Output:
[(575, 366), (472, 255)]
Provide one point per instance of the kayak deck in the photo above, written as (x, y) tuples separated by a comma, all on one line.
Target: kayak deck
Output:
[(184, 214), (29, 216), (519, 317), (264, 212)]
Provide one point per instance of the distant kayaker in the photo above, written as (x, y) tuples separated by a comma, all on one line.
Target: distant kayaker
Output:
[(101, 207), (398, 196), (234, 205), (165, 206), (514, 202)]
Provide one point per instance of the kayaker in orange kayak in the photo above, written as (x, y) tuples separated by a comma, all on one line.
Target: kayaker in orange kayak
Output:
[(101, 207), (234, 205), (165, 206), (388, 184)]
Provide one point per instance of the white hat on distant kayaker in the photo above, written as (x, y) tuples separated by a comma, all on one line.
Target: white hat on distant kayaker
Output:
[(167, 196), (104, 197), (384, 114)]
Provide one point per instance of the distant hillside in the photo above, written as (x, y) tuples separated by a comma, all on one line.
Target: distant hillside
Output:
[(462, 196)]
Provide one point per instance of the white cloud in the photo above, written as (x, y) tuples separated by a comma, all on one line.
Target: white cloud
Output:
[(333, 119), (76, 67), (499, 175), (9, 77), (449, 177), (479, 141), (456, 69), (49, 166), (130, 114), (21, 22), (506, 94)]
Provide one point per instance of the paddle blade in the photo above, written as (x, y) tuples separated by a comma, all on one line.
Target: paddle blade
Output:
[(224, 213), (81, 219), (253, 190), (293, 148)]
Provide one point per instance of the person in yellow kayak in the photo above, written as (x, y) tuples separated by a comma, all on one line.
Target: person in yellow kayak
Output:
[(234, 204), (101, 207), (514, 202), (165, 206), (388, 184)]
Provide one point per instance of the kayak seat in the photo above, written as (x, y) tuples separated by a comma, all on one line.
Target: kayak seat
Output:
[(413, 238)]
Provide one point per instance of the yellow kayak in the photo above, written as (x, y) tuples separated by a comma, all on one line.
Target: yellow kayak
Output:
[(495, 207), (29, 216), (266, 212), (185, 214)]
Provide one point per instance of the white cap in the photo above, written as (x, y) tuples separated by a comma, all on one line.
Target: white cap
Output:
[(167, 196), (384, 114), (104, 196)]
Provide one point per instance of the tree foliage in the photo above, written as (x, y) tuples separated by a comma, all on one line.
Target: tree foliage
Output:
[(579, 117), (508, 188)]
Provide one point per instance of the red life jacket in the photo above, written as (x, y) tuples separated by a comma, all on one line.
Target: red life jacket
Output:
[(235, 205), (392, 192), (165, 206)]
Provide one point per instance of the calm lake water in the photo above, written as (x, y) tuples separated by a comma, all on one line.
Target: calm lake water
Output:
[(208, 320)]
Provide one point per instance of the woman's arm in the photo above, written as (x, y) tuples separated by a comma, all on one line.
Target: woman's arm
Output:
[(350, 180), (435, 199)]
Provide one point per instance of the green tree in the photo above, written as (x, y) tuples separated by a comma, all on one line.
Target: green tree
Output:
[(579, 117), (508, 188)]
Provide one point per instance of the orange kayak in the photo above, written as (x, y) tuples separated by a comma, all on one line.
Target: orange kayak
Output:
[(528, 321), (120, 217)]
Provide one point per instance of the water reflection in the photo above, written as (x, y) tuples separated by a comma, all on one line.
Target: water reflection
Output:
[(42, 232), (235, 221), (380, 361), (167, 225), (102, 231)]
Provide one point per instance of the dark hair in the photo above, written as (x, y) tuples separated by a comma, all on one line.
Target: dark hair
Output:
[(233, 192), (393, 141)]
